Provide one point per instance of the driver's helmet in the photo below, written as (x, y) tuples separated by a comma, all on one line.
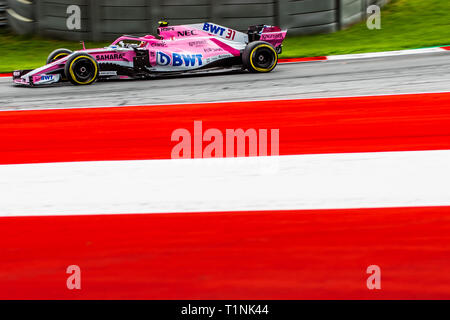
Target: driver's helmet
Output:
[(163, 23)]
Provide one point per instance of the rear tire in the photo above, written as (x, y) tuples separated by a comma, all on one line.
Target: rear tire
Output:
[(58, 54), (81, 69), (259, 56)]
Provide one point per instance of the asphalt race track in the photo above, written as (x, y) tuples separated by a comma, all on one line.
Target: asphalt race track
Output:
[(388, 75)]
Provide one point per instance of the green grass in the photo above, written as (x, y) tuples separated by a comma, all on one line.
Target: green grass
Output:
[(406, 24), (29, 52)]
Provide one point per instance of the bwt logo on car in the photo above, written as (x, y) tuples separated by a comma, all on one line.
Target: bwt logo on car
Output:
[(47, 77), (212, 28), (178, 60)]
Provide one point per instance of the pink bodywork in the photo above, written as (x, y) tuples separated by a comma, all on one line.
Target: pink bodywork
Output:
[(178, 48), (273, 35)]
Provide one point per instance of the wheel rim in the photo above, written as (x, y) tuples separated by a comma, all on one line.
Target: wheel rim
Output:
[(263, 58), (83, 69)]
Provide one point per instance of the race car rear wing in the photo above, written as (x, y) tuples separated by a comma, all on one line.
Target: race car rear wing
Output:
[(272, 34)]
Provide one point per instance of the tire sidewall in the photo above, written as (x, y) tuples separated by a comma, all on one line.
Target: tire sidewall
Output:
[(251, 49), (68, 71), (58, 52)]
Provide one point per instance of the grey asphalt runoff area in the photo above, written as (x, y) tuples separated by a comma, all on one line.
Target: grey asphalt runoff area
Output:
[(415, 73)]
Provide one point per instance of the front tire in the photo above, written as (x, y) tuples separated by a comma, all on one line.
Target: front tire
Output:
[(81, 69), (58, 54), (259, 56)]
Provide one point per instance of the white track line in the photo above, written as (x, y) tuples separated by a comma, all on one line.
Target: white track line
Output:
[(372, 55), (369, 55), (358, 180)]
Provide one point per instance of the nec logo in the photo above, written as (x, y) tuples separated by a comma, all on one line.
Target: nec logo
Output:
[(177, 60), (45, 78), (186, 33), (212, 28)]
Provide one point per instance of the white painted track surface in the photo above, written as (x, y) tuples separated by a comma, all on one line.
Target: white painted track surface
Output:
[(358, 180)]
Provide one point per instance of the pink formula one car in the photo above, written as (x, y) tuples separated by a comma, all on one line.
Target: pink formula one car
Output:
[(177, 49)]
